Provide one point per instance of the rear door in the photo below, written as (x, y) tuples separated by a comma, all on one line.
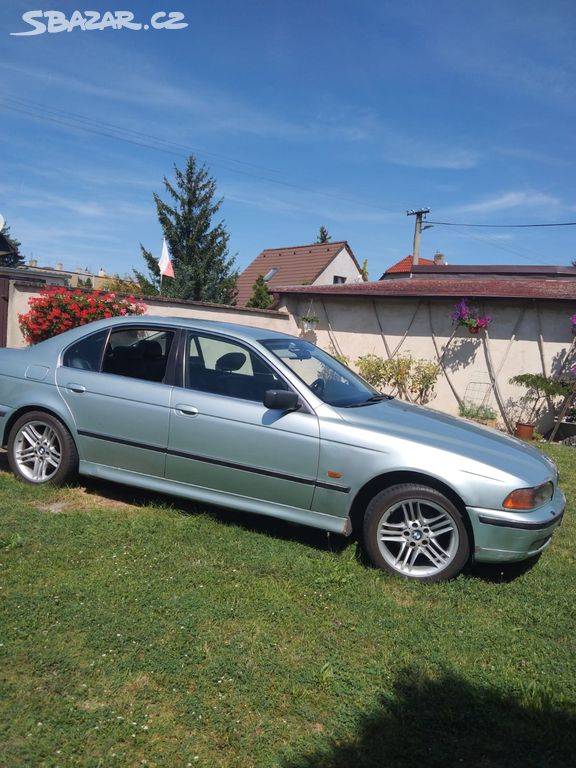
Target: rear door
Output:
[(116, 388)]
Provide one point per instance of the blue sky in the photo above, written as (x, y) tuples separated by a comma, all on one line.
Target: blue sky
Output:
[(343, 114)]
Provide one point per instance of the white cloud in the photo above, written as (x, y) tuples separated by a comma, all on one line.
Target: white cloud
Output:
[(203, 111), (436, 157), (299, 202), (509, 201)]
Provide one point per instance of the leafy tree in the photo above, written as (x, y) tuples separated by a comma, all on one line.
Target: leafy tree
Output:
[(261, 298), (120, 284), (323, 236), (148, 286), (13, 258), (203, 270)]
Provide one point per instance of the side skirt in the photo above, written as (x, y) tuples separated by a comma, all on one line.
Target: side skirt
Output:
[(196, 493)]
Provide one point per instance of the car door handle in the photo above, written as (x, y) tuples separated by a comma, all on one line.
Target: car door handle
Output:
[(187, 410), (78, 388)]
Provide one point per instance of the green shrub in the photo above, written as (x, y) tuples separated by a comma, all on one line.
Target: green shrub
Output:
[(477, 412), (404, 375)]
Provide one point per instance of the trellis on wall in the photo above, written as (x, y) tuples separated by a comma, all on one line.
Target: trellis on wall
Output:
[(442, 349)]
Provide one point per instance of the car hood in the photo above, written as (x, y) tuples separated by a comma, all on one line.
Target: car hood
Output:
[(461, 437)]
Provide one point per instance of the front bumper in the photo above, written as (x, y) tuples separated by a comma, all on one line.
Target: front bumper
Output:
[(501, 536)]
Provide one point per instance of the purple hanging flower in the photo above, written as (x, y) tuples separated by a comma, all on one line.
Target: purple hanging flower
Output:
[(464, 314)]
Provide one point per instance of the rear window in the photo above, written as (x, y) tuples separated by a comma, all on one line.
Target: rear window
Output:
[(86, 353)]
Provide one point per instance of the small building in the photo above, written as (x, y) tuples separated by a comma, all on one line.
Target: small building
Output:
[(76, 278), (10, 277), (316, 264)]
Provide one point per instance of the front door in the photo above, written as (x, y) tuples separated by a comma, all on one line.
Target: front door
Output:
[(222, 438)]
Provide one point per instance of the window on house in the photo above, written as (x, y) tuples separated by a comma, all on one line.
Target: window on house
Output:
[(270, 274), (338, 279)]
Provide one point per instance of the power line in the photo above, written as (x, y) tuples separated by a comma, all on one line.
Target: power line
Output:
[(503, 226), (91, 125), (81, 123), (108, 130), (528, 255)]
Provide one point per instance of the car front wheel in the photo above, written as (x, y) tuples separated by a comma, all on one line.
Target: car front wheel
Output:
[(414, 531), (41, 450)]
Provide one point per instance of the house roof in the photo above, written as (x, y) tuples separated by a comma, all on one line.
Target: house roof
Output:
[(296, 265), (405, 265), (503, 287), (481, 270)]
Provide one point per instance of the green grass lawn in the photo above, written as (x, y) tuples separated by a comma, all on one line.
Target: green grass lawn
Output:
[(143, 631)]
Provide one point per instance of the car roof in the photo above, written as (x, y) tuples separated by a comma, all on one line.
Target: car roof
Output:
[(246, 332), (237, 329)]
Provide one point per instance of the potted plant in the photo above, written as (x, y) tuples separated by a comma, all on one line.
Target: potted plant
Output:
[(309, 322), (464, 314), (483, 414), (540, 388)]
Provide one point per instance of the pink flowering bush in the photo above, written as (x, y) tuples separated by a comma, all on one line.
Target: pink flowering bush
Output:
[(464, 314), (57, 310)]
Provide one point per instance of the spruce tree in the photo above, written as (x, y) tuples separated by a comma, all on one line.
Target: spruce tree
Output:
[(323, 236), (199, 251), (13, 258), (261, 298)]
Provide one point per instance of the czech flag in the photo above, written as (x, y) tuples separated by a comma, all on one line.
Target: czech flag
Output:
[(165, 265)]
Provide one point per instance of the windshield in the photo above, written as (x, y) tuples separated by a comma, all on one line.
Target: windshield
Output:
[(325, 376)]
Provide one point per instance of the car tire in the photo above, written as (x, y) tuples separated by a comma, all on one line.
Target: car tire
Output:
[(415, 532), (41, 450)]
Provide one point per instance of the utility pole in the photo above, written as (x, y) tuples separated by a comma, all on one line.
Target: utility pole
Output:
[(420, 215)]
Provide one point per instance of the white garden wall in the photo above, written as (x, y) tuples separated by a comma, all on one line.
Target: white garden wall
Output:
[(524, 336)]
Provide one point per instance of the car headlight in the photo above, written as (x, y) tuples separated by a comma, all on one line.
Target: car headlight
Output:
[(529, 498)]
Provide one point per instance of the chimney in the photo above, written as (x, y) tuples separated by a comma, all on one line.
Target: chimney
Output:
[(439, 259), (33, 263), (59, 266)]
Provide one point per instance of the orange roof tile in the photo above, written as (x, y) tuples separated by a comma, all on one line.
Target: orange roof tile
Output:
[(297, 265), (405, 265)]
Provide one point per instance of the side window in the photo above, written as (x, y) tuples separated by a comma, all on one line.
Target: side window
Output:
[(87, 353), (223, 367), (140, 353)]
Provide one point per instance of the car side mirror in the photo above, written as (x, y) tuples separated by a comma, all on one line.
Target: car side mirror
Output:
[(281, 400)]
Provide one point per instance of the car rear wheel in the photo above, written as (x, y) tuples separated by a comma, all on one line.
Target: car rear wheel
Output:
[(416, 532), (41, 450)]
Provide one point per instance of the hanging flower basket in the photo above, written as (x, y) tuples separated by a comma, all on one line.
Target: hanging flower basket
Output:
[(309, 322), (464, 314), (574, 324)]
